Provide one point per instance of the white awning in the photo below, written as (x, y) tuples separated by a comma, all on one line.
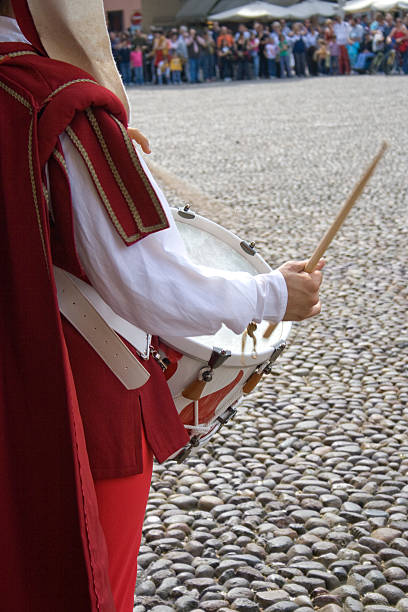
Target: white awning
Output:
[(264, 10), (307, 9), (362, 6), (252, 10)]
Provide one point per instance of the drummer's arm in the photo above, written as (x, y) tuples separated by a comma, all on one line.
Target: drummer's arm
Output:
[(154, 285), (303, 288)]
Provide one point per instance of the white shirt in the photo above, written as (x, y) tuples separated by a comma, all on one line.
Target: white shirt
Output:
[(342, 32), (152, 283), (271, 49), (310, 38)]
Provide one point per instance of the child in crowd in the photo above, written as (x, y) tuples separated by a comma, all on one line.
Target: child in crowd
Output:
[(271, 50), (136, 63), (175, 67), (284, 57), (334, 57), (322, 57), (163, 70)]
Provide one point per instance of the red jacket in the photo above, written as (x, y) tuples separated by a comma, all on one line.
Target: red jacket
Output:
[(56, 557)]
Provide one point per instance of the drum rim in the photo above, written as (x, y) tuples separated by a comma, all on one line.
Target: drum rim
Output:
[(189, 345), (233, 241), (191, 348)]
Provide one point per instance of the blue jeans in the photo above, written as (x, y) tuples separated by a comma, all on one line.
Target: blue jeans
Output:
[(176, 77), (271, 67), (138, 76), (334, 64), (242, 70), (125, 72), (193, 69), (363, 61), (300, 63), (208, 66), (285, 65), (405, 62), (225, 67), (255, 59)]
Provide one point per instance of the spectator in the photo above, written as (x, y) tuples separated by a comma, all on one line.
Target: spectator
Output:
[(311, 37), (242, 55), (208, 57), (176, 67), (356, 30), (271, 51), (136, 63), (160, 50), (225, 45), (284, 58), (322, 57), (115, 41), (388, 26), (124, 49), (342, 32), (242, 31), (253, 47), (334, 52), (399, 34), (299, 49), (194, 47), (263, 36), (365, 54)]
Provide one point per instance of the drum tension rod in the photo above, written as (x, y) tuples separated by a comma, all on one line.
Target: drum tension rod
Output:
[(196, 441), (205, 375), (185, 212), (264, 368)]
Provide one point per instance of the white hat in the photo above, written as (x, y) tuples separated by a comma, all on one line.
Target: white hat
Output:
[(75, 31)]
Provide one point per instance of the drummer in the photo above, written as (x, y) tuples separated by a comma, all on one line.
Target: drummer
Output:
[(125, 243)]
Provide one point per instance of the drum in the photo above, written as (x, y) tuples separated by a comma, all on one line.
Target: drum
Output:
[(212, 373)]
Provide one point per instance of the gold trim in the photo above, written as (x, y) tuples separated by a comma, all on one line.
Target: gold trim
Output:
[(68, 84), (27, 105), (61, 160), (133, 209), (101, 192), (34, 190), (17, 54), (48, 201), (17, 96), (142, 173)]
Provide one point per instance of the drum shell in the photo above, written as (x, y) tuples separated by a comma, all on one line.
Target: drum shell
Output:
[(225, 388)]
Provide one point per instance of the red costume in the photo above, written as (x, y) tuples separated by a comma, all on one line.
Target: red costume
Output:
[(56, 553)]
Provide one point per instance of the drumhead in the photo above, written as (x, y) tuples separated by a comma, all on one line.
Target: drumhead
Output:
[(214, 246)]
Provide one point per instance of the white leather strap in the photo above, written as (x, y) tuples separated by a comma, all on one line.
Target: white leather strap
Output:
[(77, 304)]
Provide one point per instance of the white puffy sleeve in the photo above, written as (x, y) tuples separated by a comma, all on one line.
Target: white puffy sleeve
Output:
[(153, 284)]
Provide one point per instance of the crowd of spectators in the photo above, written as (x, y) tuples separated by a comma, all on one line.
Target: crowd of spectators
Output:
[(279, 50)]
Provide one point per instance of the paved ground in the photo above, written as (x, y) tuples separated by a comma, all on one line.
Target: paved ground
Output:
[(302, 502)]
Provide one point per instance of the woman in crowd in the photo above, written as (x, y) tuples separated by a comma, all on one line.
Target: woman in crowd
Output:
[(399, 35), (242, 54)]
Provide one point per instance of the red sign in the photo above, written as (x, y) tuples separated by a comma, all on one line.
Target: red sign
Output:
[(136, 18)]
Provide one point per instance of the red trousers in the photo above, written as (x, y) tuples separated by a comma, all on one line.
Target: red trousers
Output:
[(122, 506), (344, 60)]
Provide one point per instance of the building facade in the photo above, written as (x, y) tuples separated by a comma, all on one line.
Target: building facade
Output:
[(154, 12)]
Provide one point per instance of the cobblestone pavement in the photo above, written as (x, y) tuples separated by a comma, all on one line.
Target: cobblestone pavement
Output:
[(301, 503)]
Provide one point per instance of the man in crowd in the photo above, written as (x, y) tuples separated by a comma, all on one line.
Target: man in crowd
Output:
[(342, 33)]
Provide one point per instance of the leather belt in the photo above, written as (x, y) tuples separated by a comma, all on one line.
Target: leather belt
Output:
[(98, 324)]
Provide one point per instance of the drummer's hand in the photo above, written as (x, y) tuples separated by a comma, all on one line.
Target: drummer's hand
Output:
[(141, 140), (303, 290)]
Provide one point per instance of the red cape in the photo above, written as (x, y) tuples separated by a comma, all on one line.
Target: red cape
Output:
[(54, 555)]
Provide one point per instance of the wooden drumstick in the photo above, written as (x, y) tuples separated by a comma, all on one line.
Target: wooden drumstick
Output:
[(339, 220)]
